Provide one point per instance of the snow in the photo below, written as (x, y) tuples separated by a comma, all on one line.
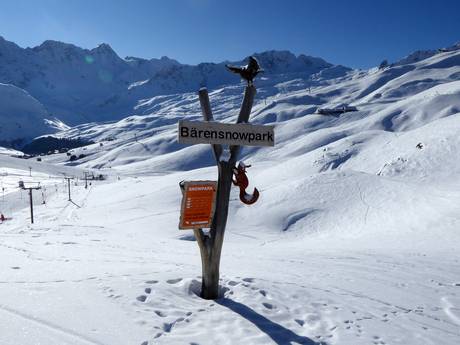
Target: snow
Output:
[(354, 239), (117, 270), (10, 152), (79, 85), (22, 117)]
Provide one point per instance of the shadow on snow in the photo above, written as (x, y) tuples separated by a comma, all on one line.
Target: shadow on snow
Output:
[(279, 334)]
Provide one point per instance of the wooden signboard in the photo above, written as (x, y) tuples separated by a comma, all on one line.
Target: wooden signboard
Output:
[(204, 132), (198, 203)]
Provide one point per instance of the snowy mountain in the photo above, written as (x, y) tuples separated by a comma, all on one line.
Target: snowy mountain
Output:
[(80, 85), (402, 136), (353, 241), (65, 78), (403, 97), (22, 117), (185, 78)]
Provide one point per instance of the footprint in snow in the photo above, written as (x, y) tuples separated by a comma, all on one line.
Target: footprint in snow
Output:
[(318, 304), (263, 293), (141, 298), (174, 281), (148, 290), (300, 322), (248, 280), (268, 305), (167, 326), (160, 313), (377, 340)]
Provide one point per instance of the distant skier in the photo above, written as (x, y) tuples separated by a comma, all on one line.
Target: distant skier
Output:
[(2, 217)]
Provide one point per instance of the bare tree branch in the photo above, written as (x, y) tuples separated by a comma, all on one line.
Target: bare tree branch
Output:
[(207, 116)]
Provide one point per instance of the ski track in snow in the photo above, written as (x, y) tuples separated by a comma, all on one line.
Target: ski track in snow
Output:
[(73, 337), (354, 240), (451, 310), (303, 297)]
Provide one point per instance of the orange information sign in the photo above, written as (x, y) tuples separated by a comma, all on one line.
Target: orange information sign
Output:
[(198, 202)]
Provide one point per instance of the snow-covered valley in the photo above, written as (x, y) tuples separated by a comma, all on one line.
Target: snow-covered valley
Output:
[(351, 267), (354, 239)]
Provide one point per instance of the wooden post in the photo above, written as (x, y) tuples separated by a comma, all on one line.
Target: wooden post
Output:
[(31, 206), (207, 116), (211, 244)]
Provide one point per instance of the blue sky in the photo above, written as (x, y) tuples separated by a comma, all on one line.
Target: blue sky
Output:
[(349, 32)]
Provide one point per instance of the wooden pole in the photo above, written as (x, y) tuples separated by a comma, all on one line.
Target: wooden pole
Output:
[(31, 206), (211, 244), (207, 116)]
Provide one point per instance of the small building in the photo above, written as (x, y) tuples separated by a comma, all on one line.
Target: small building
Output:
[(337, 110)]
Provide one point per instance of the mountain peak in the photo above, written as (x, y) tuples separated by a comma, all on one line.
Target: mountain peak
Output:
[(105, 49), (284, 61), (165, 58), (8, 44), (55, 45)]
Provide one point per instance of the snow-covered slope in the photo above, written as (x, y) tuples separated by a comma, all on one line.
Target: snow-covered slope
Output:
[(397, 99), (22, 117), (65, 78), (82, 85), (402, 139), (334, 257), (354, 239)]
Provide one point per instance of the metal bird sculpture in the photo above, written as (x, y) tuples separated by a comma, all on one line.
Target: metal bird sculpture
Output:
[(247, 72)]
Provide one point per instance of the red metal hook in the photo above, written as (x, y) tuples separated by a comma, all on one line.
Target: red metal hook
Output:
[(241, 180)]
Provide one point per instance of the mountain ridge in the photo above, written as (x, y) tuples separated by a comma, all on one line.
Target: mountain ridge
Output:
[(80, 85), (392, 100), (77, 85)]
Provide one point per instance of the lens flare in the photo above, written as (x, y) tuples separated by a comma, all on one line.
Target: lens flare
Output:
[(105, 76), (89, 59)]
